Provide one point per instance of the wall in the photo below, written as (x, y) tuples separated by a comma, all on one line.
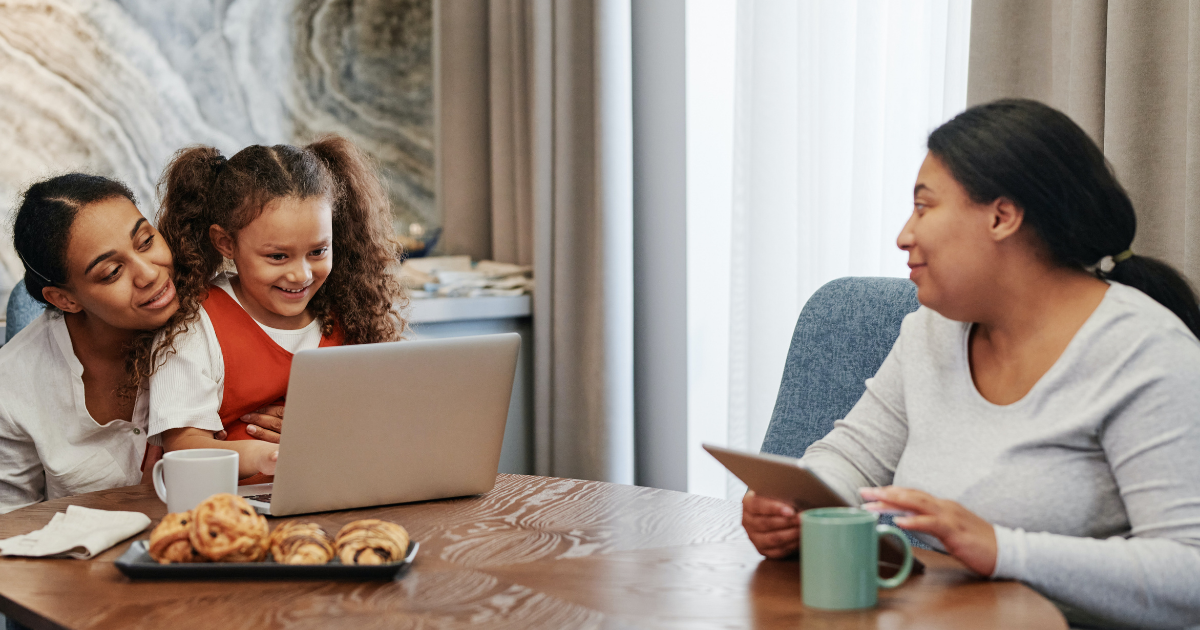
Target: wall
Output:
[(660, 243), (115, 87)]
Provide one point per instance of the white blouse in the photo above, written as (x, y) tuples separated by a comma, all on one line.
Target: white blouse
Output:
[(50, 447)]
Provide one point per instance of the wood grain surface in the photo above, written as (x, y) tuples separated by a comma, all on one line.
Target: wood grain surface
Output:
[(535, 552)]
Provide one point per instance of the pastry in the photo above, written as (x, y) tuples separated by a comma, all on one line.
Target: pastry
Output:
[(227, 529), (169, 542), (300, 543), (371, 541)]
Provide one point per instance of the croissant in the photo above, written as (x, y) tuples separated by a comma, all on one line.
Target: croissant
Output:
[(300, 543), (227, 529), (169, 542), (371, 541)]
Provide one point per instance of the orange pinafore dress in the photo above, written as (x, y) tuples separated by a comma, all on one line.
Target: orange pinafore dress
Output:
[(256, 368)]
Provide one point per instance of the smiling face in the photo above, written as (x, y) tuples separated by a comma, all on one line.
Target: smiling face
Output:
[(952, 242), (283, 257), (118, 268)]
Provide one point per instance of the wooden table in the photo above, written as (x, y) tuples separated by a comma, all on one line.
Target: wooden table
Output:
[(536, 552)]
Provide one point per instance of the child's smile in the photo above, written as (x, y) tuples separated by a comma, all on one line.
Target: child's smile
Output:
[(294, 294)]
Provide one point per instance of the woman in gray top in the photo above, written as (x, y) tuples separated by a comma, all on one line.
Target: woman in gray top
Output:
[(1039, 415)]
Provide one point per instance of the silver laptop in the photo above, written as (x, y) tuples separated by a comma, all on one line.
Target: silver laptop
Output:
[(391, 423)]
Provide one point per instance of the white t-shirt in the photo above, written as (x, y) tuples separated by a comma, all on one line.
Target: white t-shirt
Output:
[(50, 447), (291, 340), (186, 391), (1091, 481)]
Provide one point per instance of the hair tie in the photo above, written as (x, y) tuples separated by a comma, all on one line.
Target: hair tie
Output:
[(1107, 263), (30, 267)]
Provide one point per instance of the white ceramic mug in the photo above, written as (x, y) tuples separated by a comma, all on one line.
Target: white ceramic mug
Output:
[(192, 476)]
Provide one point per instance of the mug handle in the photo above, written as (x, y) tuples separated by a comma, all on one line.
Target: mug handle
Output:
[(160, 487), (880, 531)]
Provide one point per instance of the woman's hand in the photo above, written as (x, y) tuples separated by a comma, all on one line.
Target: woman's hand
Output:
[(265, 424), (965, 536), (773, 526)]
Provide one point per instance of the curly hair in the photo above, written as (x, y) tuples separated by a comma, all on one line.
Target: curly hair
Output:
[(201, 188), (41, 235)]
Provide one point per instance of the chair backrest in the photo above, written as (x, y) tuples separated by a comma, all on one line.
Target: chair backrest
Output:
[(22, 309), (844, 333)]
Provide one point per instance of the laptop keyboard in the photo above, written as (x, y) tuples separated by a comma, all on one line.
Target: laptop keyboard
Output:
[(265, 498)]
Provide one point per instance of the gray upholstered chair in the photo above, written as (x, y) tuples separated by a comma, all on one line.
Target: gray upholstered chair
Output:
[(22, 309), (844, 333)]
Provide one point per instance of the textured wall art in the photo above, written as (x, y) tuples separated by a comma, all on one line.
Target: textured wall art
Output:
[(115, 87)]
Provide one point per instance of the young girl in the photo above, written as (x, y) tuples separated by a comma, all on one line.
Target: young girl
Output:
[(309, 233)]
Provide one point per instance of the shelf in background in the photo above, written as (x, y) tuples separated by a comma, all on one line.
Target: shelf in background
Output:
[(432, 310)]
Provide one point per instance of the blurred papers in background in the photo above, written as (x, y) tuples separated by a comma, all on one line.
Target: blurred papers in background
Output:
[(458, 276)]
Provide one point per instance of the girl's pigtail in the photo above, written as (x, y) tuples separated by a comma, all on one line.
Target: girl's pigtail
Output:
[(189, 195), (362, 292), (188, 192)]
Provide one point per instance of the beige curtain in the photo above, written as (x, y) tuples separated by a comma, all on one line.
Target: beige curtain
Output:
[(463, 166), (559, 191), (1128, 71), (510, 108)]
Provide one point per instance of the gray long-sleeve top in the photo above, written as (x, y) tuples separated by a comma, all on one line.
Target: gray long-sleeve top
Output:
[(1092, 480)]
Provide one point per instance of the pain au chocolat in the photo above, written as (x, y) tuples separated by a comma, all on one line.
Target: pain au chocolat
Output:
[(170, 540), (300, 543), (227, 529), (371, 541)]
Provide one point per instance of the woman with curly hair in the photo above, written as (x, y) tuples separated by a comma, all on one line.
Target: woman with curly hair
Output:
[(308, 230), (73, 417)]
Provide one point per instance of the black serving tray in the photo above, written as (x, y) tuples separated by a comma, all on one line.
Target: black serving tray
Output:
[(137, 563)]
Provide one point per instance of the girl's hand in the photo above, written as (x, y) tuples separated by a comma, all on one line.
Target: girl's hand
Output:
[(773, 526), (265, 424), (965, 536), (264, 458)]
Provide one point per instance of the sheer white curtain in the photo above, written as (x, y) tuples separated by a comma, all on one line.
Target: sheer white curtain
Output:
[(831, 103)]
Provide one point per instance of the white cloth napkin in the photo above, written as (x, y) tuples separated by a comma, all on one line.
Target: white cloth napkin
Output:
[(79, 533)]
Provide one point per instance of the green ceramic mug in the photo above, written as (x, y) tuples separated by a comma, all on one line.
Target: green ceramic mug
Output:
[(839, 558)]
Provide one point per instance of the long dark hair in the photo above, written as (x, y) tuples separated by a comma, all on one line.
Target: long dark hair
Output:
[(201, 188), (1037, 157), (41, 235)]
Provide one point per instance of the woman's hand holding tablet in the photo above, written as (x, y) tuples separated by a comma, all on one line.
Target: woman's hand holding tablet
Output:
[(773, 526)]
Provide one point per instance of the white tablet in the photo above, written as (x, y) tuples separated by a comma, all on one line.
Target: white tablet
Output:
[(778, 477)]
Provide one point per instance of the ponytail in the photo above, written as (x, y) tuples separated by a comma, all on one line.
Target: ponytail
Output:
[(190, 203), (1043, 162), (1161, 282), (361, 292), (188, 190)]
